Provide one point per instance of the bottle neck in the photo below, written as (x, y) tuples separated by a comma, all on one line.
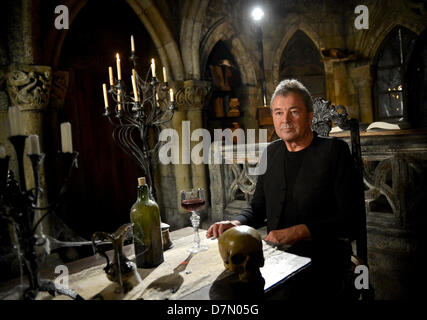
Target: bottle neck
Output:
[(143, 193)]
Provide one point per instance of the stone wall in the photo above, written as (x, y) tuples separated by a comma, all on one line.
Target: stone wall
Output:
[(184, 33)]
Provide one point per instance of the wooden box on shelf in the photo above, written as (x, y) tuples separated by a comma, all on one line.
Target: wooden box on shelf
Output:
[(233, 110), (219, 79)]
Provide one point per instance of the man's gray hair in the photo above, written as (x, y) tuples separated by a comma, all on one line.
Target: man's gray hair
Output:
[(291, 85)]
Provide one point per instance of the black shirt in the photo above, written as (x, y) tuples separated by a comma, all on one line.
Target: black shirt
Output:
[(293, 161)]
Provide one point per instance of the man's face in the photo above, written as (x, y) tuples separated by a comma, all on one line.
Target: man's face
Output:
[(291, 120)]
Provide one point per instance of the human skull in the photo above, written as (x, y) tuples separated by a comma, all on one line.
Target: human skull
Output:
[(241, 250)]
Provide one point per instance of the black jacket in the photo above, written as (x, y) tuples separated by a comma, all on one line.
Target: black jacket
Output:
[(326, 191)]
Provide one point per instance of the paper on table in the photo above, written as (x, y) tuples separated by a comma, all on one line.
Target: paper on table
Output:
[(279, 265)]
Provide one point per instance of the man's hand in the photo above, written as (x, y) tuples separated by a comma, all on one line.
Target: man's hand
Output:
[(289, 235), (218, 228)]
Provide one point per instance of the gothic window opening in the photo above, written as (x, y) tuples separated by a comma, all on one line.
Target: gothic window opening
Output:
[(417, 83), (390, 90)]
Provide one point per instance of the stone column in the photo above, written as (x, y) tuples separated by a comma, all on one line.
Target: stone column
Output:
[(251, 98), (28, 87), (362, 79), (190, 98)]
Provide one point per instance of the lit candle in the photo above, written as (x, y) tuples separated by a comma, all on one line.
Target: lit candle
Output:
[(165, 78), (15, 121), (119, 70), (34, 144), (66, 137), (135, 92), (2, 152), (132, 44), (157, 100), (104, 89), (153, 68), (110, 71), (119, 99), (171, 94)]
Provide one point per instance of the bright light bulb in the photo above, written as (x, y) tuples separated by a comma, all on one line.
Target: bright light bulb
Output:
[(257, 13)]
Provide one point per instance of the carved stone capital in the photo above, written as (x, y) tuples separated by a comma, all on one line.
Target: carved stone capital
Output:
[(29, 86), (191, 94)]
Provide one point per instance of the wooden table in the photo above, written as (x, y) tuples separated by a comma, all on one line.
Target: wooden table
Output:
[(182, 275)]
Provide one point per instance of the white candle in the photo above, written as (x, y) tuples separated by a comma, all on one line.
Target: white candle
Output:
[(119, 70), (34, 144), (165, 78), (135, 92), (157, 100), (66, 137), (2, 152), (15, 121), (119, 99), (110, 72), (171, 94), (153, 68), (104, 89), (132, 44)]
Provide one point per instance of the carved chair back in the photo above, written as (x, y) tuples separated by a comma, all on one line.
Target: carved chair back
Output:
[(326, 114)]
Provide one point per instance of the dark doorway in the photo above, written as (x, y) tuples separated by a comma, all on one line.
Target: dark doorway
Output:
[(301, 60), (103, 188)]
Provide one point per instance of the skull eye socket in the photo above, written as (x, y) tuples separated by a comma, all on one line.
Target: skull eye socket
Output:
[(238, 258)]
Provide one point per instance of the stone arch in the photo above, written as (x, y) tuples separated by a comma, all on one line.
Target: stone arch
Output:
[(150, 17), (372, 46), (223, 31), (55, 38), (275, 61), (194, 13)]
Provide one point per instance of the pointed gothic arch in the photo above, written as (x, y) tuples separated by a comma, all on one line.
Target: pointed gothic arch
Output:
[(389, 64), (301, 60)]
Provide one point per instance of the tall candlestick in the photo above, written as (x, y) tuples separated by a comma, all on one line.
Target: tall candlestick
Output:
[(171, 94), (132, 44), (15, 121), (165, 78), (135, 92), (34, 144), (104, 89), (119, 70), (153, 68), (110, 72), (66, 137), (2, 152)]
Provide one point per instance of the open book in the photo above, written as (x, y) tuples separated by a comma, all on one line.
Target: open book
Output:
[(381, 125)]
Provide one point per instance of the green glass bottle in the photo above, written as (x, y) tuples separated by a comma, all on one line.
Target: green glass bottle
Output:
[(147, 233)]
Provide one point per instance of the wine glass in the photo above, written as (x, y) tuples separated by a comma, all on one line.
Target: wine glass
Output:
[(193, 200)]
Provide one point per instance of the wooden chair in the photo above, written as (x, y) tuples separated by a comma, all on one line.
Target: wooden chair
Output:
[(325, 115)]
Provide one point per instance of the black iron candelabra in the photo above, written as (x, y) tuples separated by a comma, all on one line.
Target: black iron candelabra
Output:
[(18, 205), (144, 112)]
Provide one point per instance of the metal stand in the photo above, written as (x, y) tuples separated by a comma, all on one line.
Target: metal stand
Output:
[(18, 206), (145, 116)]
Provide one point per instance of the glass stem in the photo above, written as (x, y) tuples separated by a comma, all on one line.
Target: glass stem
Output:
[(195, 221)]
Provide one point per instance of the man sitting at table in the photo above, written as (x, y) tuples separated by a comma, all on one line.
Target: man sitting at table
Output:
[(308, 196)]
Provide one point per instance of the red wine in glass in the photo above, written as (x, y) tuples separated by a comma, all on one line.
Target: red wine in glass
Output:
[(192, 201), (193, 204)]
